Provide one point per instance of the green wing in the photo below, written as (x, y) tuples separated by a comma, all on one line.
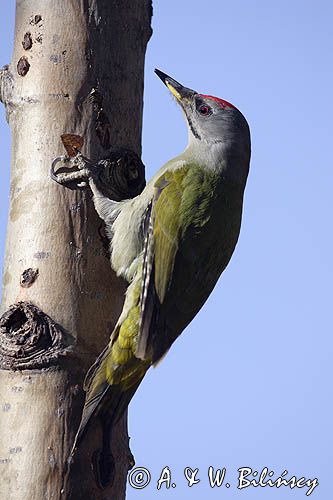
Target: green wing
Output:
[(170, 297), (166, 228), (162, 228)]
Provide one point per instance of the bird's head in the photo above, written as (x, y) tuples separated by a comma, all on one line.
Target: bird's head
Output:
[(216, 127)]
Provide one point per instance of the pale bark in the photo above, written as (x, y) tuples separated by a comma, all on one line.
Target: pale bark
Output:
[(55, 258)]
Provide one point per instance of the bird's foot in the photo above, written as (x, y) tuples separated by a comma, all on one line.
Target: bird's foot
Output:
[(119, 176), (74, 172)]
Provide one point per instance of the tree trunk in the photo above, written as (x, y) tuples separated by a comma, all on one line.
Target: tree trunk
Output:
[(77, 68)]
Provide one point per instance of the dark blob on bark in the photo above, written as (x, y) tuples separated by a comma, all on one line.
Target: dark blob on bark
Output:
[(27, 41), (30, 339), (23, 66), (28, 277)]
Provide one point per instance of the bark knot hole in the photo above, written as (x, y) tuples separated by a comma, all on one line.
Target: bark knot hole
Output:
[(23, 66), (27, 41), (29, 339), (16, 321), (28, 277), (121, 174)]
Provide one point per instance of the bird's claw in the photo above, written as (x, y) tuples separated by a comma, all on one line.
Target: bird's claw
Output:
[(81, 170)]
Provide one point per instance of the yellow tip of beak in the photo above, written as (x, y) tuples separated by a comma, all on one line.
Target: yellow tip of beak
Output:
[(173, 91)]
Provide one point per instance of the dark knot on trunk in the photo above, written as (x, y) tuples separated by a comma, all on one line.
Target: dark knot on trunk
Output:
[(29, 339), (121, 175)]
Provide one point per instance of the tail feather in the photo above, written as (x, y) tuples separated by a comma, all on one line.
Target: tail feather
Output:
[(90, 375), (111, 403), (102, 399), (111, 381), (89, 411)]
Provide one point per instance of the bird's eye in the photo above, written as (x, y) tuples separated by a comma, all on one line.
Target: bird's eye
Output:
[(205, 110)]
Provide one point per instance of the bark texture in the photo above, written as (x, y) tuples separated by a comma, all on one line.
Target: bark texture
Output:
[(77, 67)]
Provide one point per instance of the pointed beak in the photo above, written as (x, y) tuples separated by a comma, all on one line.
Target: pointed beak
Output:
[(180, 92)]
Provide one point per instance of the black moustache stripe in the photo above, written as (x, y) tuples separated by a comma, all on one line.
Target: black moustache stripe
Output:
[(194, 132)]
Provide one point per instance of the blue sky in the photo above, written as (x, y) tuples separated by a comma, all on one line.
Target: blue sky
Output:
[(249, 383)]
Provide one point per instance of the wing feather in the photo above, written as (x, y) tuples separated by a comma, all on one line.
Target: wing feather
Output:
[(160, 249)]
